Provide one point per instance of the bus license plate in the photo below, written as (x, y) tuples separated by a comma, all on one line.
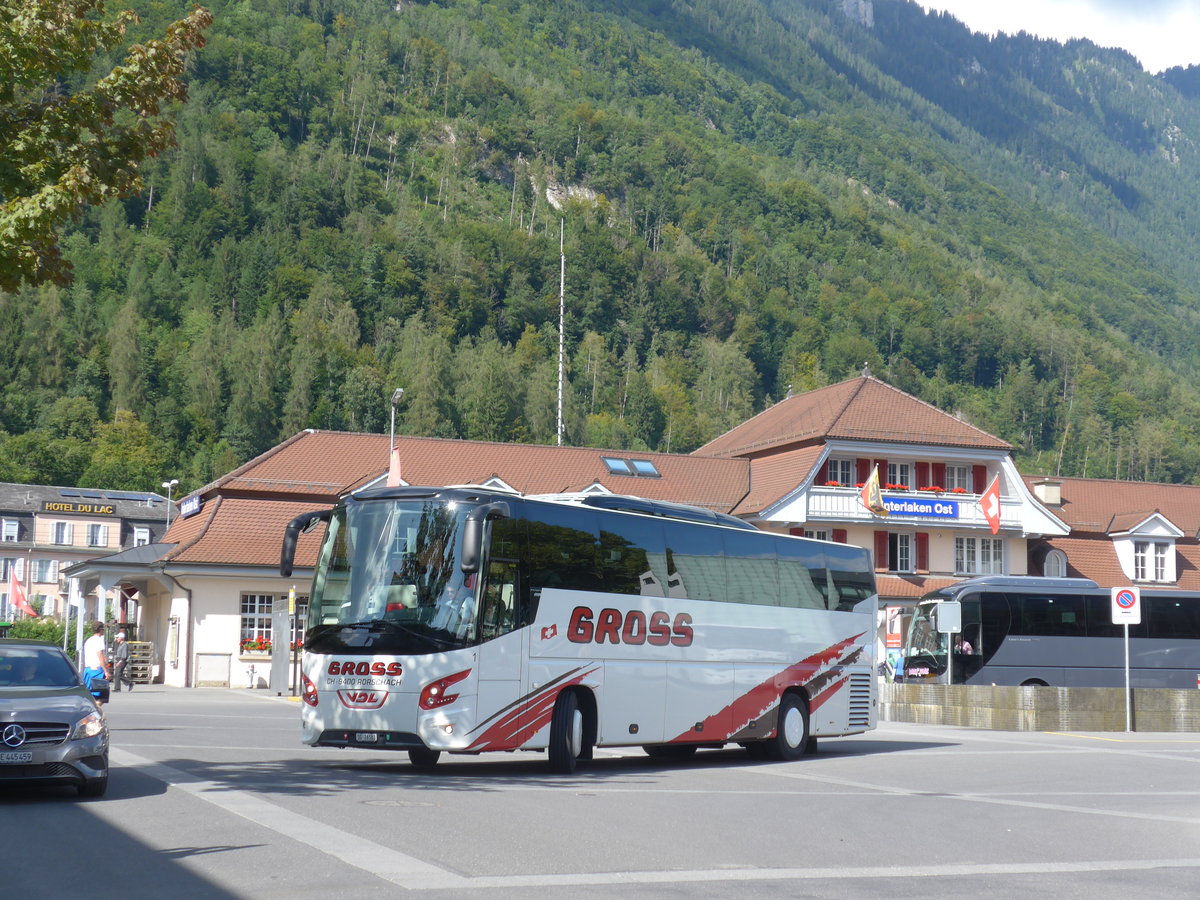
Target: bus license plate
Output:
[(16, 756), (366, 737)]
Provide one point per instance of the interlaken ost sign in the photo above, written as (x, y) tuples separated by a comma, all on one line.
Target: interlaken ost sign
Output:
[(934, 508)]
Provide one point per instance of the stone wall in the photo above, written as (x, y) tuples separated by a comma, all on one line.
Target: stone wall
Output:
[(1039, 708)]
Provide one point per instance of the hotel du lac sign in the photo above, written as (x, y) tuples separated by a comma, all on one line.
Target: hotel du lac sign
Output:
[(919, 506)]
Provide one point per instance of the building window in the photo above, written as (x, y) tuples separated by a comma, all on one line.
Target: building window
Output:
[(817, 534), (958, 477), (45, 571), (6, 567), (1149, 561), (899, 473), (899, 551), (61, 533), (1055, 564), (978, 556), (256, 617), (9, 533), (97, 535), (841, 471), (141, 537)]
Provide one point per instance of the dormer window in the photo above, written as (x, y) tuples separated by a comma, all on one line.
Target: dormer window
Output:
[(1150, 560)]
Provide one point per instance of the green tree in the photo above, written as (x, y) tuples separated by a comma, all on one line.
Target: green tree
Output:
[(60, 152)]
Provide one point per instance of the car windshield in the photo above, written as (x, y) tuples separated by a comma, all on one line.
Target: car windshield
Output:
[(34, 667)]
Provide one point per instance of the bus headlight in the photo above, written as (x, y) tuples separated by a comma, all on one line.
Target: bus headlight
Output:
[(434, 694)]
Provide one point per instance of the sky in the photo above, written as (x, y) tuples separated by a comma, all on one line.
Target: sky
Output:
[(1160, 33)]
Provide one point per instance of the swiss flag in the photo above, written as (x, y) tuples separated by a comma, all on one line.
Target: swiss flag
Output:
[(16, 593), (989, 502)]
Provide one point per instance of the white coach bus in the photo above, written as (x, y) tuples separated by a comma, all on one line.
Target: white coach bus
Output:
[(465, 620)]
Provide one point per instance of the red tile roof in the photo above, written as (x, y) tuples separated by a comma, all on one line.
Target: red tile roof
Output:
[(862, 409), (773, 477), (1097, 504), (242, 531), (909, 587), (243, 515)]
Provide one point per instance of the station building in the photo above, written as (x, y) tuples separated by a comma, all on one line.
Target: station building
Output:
[(209, 589)]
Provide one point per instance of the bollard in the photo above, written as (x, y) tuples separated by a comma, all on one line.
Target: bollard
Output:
[(252, 675)]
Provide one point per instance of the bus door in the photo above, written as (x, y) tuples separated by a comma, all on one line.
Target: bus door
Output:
[(500, 648)]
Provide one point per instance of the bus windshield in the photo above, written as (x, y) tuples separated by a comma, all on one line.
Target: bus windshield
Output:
[(388, 581), (925, 654)]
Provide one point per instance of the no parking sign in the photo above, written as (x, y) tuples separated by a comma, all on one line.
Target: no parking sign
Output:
[(1126, 605)]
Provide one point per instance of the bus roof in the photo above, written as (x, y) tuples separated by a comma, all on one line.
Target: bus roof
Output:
[(1016, 583), (617, 502)]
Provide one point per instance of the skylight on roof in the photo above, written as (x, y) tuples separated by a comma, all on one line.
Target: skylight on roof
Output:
[(617, 466), (643, 468)]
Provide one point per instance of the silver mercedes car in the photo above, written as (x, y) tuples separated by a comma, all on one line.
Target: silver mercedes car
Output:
[(52, 731)]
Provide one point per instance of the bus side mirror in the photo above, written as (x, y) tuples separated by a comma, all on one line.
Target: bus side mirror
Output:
[(473, 532), (304, 522)]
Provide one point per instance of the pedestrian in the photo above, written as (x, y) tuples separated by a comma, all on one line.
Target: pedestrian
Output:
[(120, 662), (95, 659)]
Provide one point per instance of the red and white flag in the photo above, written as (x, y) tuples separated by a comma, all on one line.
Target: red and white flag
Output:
[(16, 593), (989, 502)]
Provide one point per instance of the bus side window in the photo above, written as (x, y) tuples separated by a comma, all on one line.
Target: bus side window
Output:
[(499, 599)]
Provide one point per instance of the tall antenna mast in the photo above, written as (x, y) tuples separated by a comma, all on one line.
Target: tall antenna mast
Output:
[(562, 316)]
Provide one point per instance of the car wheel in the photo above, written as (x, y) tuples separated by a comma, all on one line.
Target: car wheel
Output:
[(94, 787)]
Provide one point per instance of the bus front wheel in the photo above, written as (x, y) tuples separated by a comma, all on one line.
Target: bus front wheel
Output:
[(423, 757), (791, 732), (566, 733)]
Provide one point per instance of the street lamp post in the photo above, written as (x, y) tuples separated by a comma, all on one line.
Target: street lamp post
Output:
[(397, 396), (169, 485)]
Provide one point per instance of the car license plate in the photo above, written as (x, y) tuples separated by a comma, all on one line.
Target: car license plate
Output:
[(366, 737), (16, 756)]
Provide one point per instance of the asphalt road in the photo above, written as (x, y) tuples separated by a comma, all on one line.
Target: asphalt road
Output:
[(212, 795)]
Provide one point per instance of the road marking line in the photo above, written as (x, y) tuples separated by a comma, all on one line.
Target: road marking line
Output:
[(362, 853)]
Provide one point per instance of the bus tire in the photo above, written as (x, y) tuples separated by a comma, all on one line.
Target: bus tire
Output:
[(791, 732), (566, 733), (670, 751), (423, 757)]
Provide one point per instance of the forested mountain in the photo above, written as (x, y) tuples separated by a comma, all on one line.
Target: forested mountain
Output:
[(756, 195)]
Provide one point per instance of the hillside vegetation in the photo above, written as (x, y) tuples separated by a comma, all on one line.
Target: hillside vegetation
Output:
[(756, 196)]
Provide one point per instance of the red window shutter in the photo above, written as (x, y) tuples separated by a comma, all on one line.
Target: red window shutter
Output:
[(839, 535), (922, 551), (862, 469), (881, 551), (823, 473), (939, 474), (882, 464), (922, 475), (979, 478), (796, 532)]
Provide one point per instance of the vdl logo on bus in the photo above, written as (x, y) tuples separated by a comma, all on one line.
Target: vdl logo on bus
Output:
[(633, 628)]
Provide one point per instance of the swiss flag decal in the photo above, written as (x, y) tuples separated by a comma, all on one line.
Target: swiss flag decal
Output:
[(989, 502)]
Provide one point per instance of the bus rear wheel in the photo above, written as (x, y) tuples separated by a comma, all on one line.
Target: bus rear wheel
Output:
[(566, 734), (791, 733), (423, 757)]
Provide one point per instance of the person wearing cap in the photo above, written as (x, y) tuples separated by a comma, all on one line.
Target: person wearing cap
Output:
[(120, 661)]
